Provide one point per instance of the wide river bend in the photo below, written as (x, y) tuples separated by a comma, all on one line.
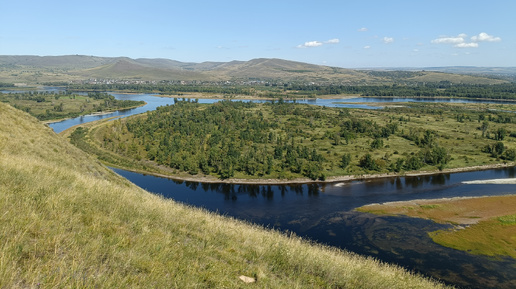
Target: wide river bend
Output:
[(325, 212)]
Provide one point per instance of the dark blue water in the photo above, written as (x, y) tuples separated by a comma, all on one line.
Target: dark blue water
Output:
[(311, 199), (325, 213)]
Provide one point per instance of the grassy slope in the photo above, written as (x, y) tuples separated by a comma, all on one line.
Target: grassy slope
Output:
[(66, 221)]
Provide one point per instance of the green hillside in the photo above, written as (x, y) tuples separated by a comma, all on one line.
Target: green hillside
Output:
[(67, 221)]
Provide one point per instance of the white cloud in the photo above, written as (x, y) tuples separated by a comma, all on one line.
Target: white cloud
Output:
[(318, 43), (332, 41), (388, 40), (313, 44), (484, 37), (466, 45), (459, 41), (450, 40), (367, 47), (363, 29), (310, 44)]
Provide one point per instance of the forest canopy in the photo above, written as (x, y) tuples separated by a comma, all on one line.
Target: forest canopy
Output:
[(234, 139), (442, 89)]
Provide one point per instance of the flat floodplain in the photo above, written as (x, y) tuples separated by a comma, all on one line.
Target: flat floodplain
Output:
[(483, 225)]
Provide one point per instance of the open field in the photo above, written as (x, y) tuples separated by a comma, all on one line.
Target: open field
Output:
[(483, 225)]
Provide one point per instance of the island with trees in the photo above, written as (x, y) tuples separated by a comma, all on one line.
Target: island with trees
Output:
[(282, 141)]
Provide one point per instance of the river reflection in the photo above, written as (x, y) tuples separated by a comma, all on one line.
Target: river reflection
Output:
[(325, 213)]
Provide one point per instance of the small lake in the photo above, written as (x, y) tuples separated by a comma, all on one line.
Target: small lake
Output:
[(325, 212)]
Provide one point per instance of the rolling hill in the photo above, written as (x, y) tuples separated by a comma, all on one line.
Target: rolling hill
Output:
[(38, 69), (133, 69)]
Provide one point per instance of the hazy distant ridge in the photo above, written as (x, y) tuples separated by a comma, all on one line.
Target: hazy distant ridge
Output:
[(28, 68)]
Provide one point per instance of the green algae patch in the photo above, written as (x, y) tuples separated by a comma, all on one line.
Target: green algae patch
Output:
[(483, 225), (490, 238)]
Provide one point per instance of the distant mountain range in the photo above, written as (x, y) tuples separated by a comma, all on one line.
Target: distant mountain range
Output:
[(40, 69)]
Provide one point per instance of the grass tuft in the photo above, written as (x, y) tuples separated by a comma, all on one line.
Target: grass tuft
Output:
[(508, 220)]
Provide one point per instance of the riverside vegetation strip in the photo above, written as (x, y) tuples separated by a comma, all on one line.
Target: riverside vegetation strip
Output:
[(239, 141), (69, 222)]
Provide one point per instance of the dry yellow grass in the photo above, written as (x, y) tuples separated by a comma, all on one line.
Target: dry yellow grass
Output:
[(67, 221)]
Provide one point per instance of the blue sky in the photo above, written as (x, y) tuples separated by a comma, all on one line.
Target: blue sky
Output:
[(350, 34)]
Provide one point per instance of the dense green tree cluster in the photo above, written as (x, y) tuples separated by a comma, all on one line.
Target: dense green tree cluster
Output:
[(170, 89), (442, 89), (499, 150), (222, 138), (431, 153)]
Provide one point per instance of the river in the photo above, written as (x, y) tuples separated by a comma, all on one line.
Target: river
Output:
[(154, 101), (325, 212)]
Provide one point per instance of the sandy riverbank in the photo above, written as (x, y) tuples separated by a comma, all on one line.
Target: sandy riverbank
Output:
[(511, 181)]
